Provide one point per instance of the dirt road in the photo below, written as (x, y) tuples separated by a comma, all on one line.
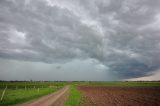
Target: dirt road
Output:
[(55, 99)]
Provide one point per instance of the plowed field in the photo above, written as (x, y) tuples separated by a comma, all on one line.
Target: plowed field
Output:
[(122, 96)]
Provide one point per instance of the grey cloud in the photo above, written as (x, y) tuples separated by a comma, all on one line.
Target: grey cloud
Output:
[(72, 70), (118, 34)]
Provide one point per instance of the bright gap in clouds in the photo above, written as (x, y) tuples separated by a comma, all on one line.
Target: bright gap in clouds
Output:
[(120, 37), (17, 37)]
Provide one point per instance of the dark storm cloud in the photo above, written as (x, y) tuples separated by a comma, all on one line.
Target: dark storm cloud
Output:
[(122, 35)]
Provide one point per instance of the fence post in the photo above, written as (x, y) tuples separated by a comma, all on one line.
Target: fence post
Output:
[(38, 89), (3, 93)]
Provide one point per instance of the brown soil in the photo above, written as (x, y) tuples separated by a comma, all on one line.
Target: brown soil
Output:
[(85, 102), (55, 99), (121, 96)]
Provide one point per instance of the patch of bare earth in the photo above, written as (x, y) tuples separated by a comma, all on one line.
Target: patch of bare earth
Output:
[(121, 96), (86, 102), (55, 99)]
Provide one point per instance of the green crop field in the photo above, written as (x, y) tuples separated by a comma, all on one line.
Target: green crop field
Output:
[(125, 83), (19, 92)]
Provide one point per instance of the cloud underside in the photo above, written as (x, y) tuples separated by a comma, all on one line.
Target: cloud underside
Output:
[(121, 35)]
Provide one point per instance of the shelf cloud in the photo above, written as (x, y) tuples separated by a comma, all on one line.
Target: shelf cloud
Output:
[(123, 37)]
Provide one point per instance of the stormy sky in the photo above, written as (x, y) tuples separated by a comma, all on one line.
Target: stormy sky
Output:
[(97, 40)]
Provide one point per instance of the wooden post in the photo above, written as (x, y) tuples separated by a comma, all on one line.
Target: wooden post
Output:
[(38, 89), (3, 93)]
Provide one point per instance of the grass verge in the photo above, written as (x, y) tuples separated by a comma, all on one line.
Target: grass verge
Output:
[(74, 96)]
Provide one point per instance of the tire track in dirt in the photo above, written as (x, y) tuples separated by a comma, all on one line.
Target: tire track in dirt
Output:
[(55, 99)]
